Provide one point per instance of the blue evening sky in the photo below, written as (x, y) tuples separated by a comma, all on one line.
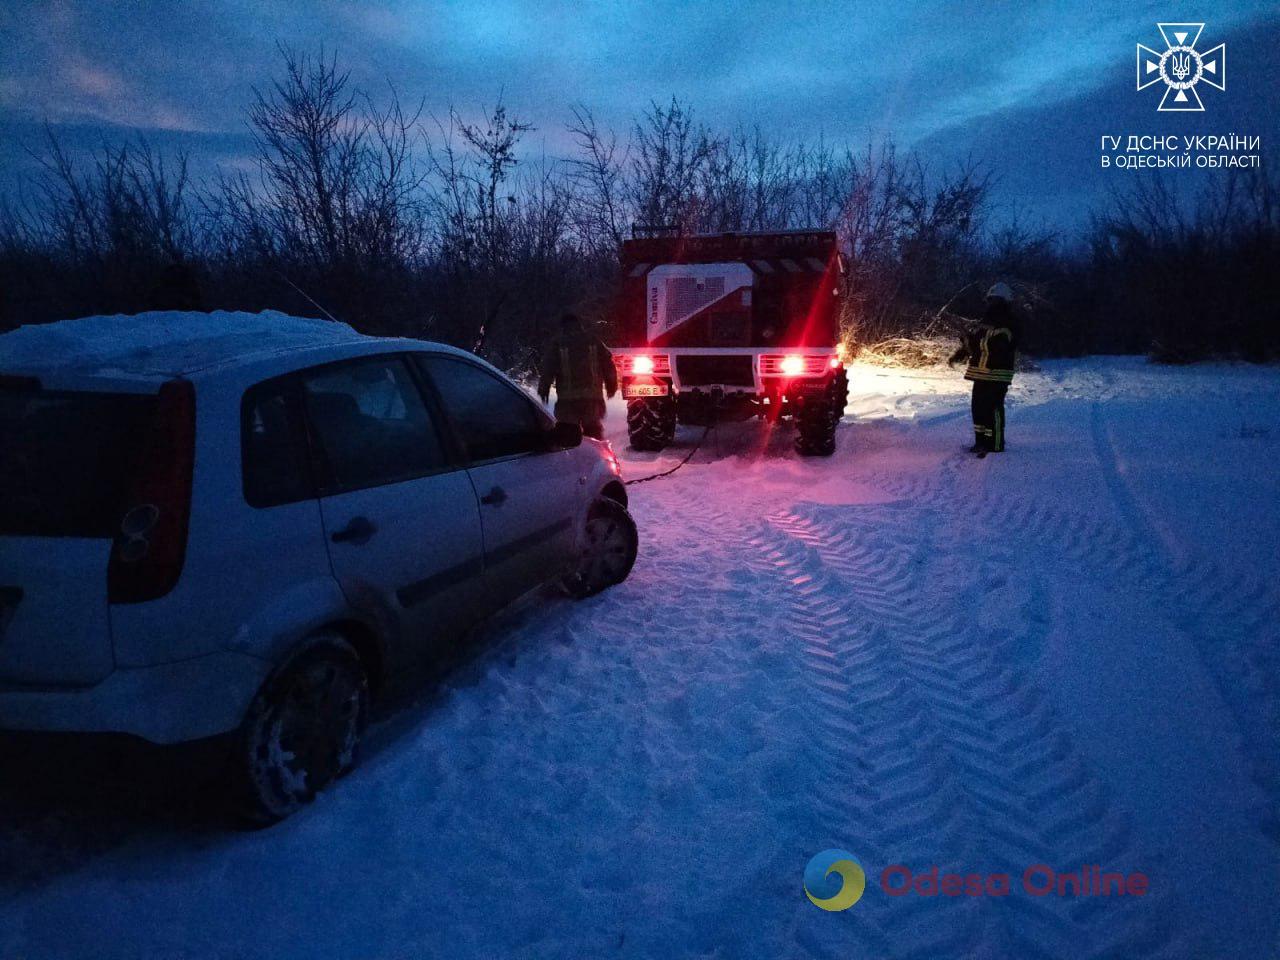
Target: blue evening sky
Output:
[(1026, 88)]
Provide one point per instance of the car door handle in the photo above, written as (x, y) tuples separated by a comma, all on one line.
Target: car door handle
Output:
[(358, 530), (494, 498)]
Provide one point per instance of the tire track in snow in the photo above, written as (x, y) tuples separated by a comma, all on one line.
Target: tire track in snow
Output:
[(1233, 618), (935, 753), (1235, 630), (837, 653)]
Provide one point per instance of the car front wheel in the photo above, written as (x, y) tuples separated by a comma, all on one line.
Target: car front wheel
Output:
[(302, 731), (608, 552)]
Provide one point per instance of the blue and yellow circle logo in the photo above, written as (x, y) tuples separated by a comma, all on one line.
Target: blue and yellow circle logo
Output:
[(839, 892)]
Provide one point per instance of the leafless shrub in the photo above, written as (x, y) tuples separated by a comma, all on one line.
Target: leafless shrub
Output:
[(450, 230), (1194, 279), (915, 352)]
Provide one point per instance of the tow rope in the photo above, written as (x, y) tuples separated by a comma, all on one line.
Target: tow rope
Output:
[(688, 456)]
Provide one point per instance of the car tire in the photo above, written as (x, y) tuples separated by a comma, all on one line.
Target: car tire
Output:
[(609, 550), (302, 731)]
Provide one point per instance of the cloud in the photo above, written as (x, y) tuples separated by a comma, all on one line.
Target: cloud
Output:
[(919, 72), (1045, 150)]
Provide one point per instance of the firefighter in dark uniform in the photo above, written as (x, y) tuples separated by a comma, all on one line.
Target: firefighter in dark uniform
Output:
[(581, 369), (991, 348)]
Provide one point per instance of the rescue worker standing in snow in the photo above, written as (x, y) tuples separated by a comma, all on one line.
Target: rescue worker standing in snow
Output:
[(991, 348), (580, 367)]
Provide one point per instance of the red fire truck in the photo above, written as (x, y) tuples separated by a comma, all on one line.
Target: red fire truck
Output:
[(728, 327)]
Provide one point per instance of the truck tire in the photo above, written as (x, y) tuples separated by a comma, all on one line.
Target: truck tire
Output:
[(839, 393), (651, 423), (819, 417), (816, 430)]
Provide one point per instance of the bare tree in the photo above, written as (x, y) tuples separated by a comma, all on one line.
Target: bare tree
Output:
[(599, 178), (310, 143), (455, 233), (668, 158), (477, 206), (337, 206)]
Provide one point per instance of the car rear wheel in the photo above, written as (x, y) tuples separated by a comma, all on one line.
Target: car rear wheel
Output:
[(302, 731), (609, 550)]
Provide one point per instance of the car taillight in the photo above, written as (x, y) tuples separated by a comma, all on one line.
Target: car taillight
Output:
[(641, 364), (611, 459), (151, 545)]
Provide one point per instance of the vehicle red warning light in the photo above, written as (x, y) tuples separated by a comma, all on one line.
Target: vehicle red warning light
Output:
[(792, 365), (643, 365)]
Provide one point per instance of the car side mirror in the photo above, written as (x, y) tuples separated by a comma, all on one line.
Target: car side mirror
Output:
[(564, 436)]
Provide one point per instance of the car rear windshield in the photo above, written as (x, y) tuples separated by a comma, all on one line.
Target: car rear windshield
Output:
[(67, 459)]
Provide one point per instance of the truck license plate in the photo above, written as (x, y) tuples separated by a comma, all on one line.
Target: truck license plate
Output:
[(645, 390)]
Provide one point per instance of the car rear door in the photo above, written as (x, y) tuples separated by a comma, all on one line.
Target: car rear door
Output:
[(529, 494), (68, 459), (401, 518)]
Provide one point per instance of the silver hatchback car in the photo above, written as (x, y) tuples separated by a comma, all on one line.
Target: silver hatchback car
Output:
[(246, 525)]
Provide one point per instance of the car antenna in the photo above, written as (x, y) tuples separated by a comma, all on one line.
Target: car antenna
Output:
[(305, 296)]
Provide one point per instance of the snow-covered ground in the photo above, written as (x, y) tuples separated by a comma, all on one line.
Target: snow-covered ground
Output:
[(1067, 655)]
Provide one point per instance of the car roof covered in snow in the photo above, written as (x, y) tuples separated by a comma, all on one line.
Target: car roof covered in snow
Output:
[(167, 343)]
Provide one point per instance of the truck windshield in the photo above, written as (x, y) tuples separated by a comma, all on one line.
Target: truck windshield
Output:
[(67, 458)]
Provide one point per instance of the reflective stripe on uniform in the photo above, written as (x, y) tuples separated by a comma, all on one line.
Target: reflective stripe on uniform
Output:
[(980, 370), (976, 372)]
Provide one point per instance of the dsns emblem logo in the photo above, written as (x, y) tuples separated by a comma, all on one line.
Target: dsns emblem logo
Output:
[(833, 880), (1181, 67)]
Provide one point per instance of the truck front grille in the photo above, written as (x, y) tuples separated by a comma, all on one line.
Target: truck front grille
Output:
[(730, 371)]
